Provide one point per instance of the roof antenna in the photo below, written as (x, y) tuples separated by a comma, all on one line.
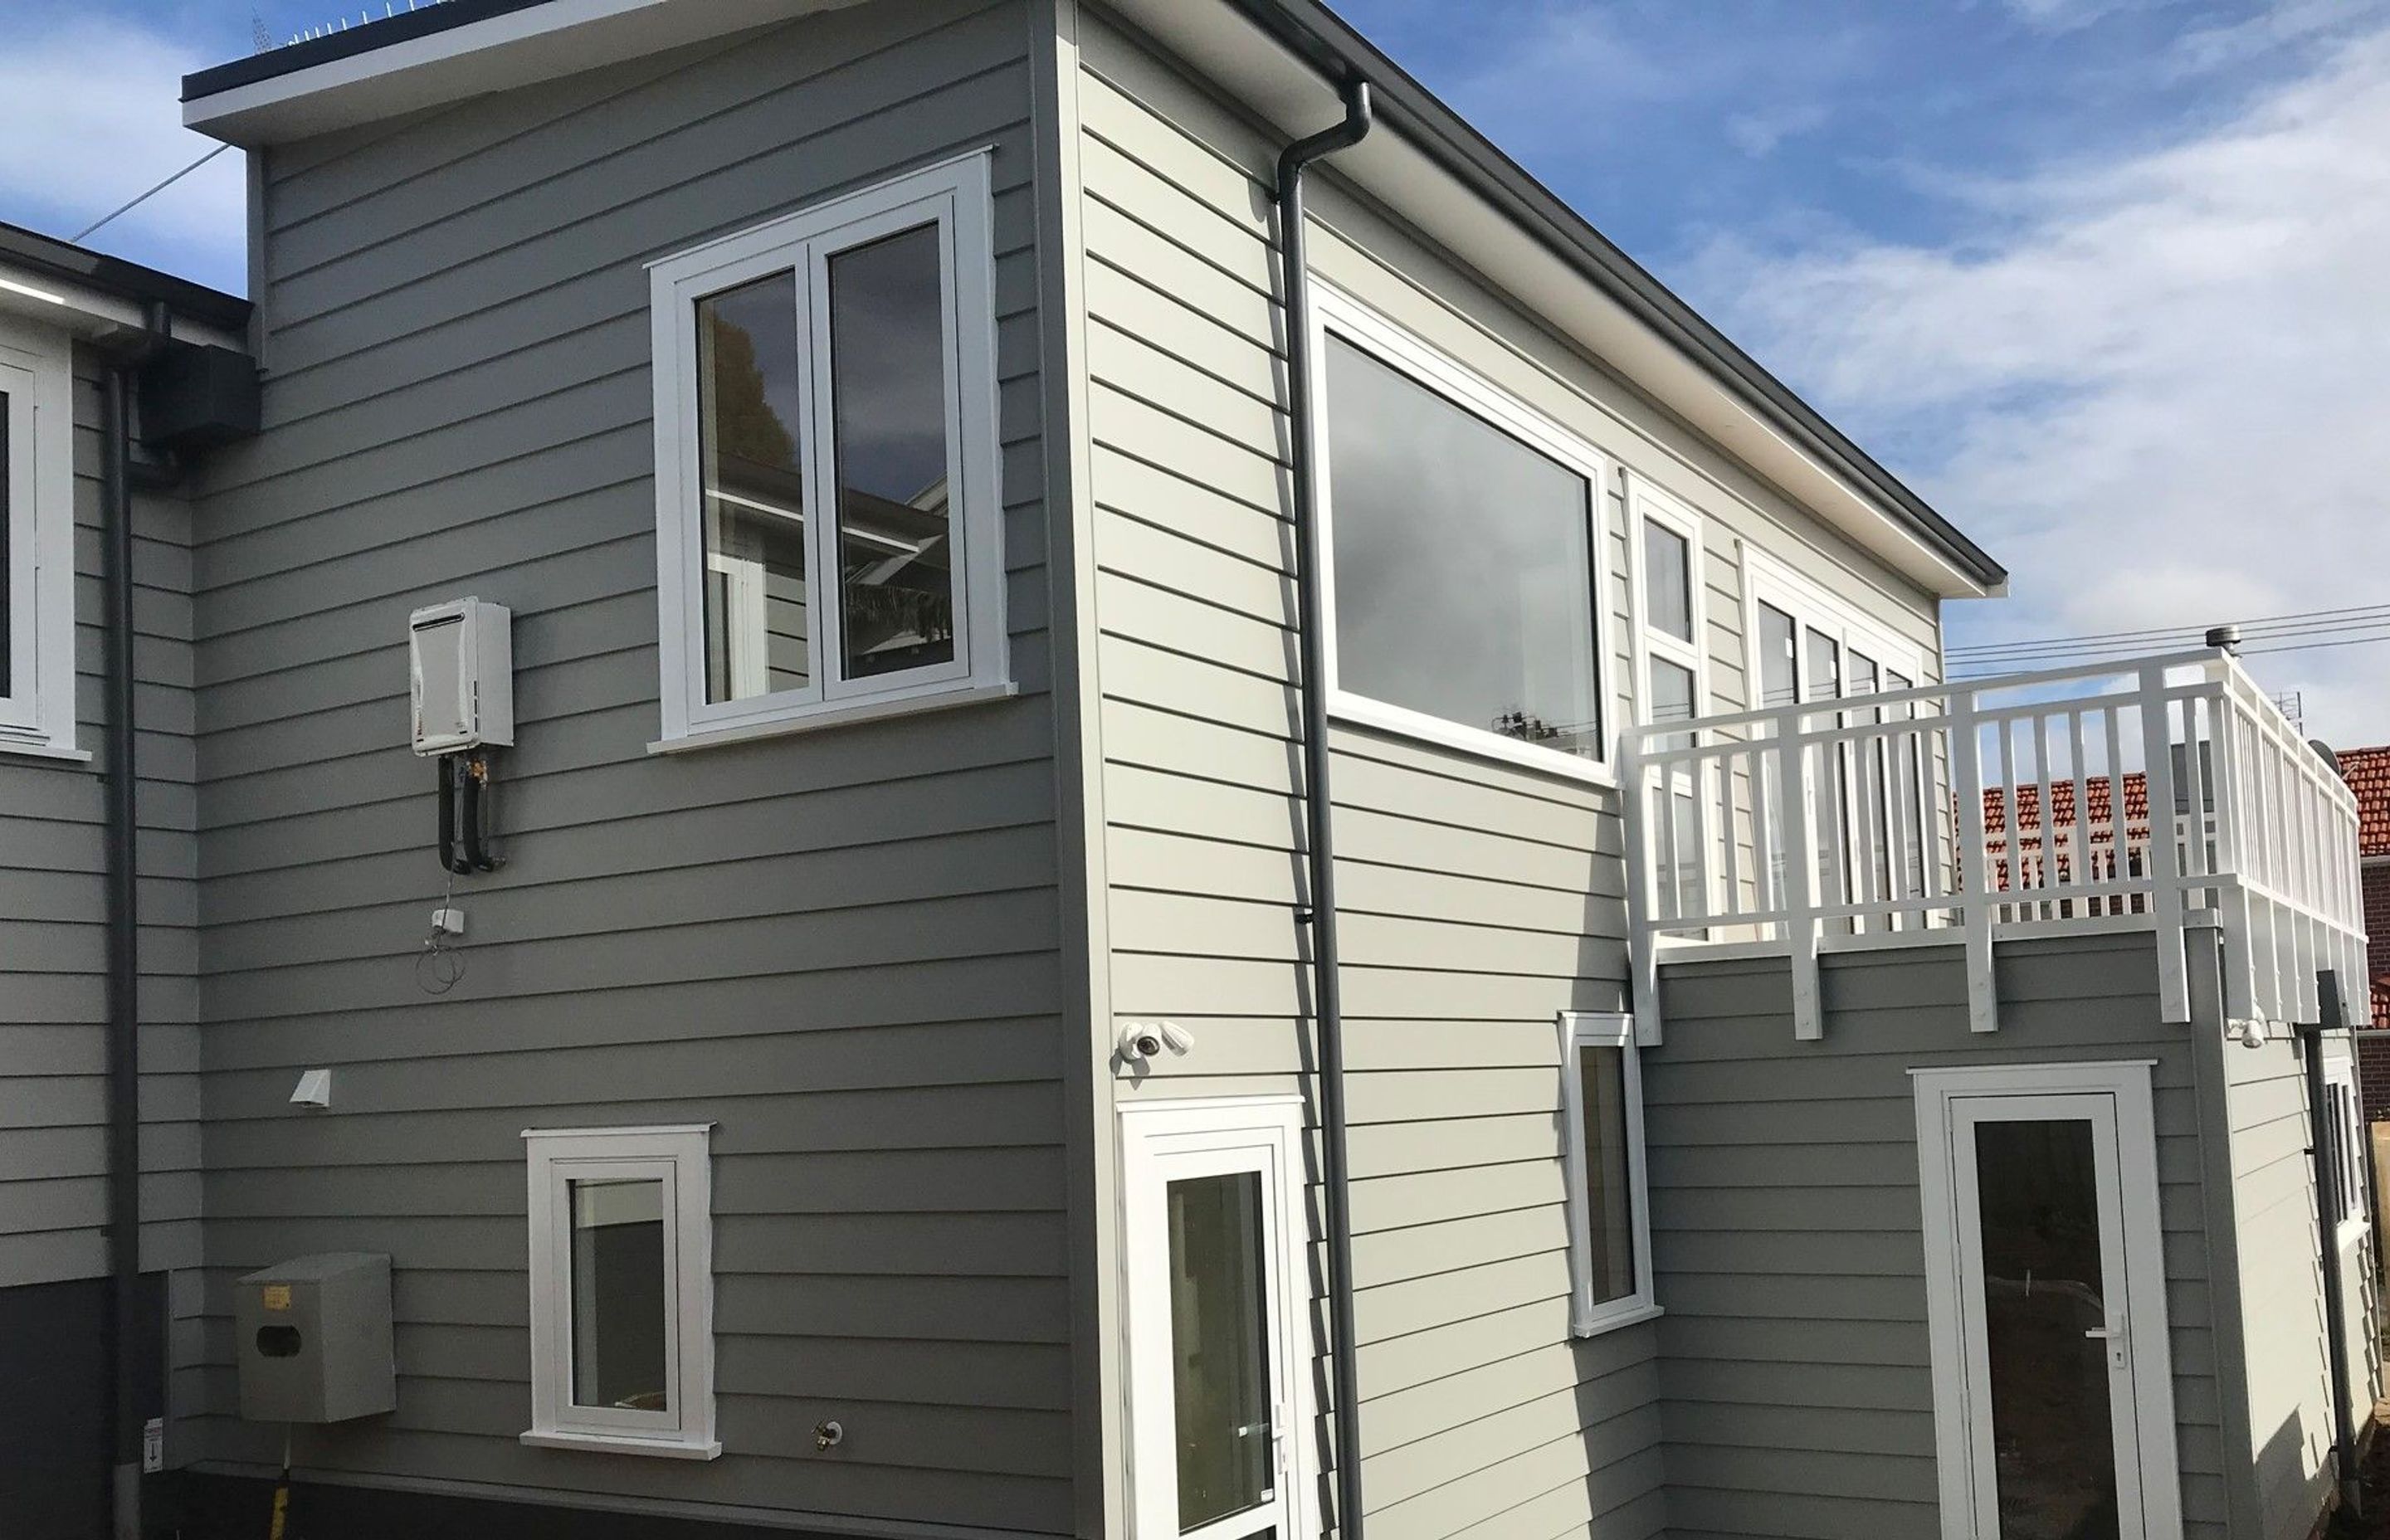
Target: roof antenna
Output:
[(259, 40)]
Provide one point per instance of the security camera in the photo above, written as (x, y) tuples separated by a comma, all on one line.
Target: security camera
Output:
[(2253, 1033), (1145, 1040)]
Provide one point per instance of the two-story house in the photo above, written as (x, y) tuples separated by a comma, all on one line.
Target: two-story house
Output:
[(1166, 835)]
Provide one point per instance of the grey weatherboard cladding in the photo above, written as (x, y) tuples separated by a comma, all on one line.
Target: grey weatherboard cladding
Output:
[(840, 947)]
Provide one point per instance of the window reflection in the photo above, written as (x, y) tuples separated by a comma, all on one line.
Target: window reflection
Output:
[(888, 362), (754, 489), (1463, 562)]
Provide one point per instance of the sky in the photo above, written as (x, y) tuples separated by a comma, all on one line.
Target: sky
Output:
[(2107, 281)]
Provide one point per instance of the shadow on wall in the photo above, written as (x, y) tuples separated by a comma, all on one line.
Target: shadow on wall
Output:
[(2288, 1497)]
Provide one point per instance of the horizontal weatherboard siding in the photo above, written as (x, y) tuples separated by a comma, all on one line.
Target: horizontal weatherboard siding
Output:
[(836, 947), (1795, 1372)]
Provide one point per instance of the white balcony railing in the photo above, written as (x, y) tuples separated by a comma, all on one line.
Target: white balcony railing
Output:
[(2152, 794)]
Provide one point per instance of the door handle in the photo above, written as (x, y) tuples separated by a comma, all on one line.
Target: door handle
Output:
[(2118, 1341)]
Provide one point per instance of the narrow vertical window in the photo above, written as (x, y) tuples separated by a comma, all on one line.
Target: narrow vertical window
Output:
[(887, 361), (621, 1268), (37, 567), (1609, 1224), (1667, 580), (830, 532), (622, 1290), (756, 638), (1219, 1343), (1779, 676)]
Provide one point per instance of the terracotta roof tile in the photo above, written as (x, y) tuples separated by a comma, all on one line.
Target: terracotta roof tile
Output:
[(2367, 772)]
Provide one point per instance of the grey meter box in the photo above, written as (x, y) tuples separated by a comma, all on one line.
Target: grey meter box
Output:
[(314, 1340)]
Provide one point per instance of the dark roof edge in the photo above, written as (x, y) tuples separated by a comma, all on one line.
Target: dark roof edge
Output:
[(129, 280), (347, 43), (1330, 46)]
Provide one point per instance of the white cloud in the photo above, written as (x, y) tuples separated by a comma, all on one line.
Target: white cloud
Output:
[(89, 117), (2158, 388)]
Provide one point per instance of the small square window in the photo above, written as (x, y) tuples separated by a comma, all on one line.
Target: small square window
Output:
[(622, 1290), (830, 528), (1609, 1235)]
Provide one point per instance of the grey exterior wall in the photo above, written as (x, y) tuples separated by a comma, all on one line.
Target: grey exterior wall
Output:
[(1787, 1224), (2287, 1369), (1479, 899), (839, 946), (53, 923)]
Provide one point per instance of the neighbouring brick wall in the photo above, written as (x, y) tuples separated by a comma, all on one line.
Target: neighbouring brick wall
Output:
[(2373, 1053)]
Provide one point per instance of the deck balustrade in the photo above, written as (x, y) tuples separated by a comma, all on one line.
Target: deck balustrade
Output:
[(2156, 793)]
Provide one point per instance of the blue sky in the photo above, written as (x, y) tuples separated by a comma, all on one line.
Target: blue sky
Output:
[(2100, 278)]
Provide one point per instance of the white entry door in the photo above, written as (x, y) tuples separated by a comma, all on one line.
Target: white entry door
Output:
[(2053, 1400), (1212, 1200)]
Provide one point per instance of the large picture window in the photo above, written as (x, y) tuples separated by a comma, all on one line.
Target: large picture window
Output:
[(37, 705), (622, 1290), (1461, 541), (829, 530), (1610, 1227)]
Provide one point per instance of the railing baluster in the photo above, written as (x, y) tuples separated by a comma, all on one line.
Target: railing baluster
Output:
[(2164, 861)]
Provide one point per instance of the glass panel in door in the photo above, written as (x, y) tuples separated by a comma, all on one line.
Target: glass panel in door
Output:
[(2046, 1318), (1220, 1350)]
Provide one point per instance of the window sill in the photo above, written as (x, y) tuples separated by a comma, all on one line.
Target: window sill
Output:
[(841, 714), (16, 746), (673, 1448), (1359, 711), (1602, 1324)]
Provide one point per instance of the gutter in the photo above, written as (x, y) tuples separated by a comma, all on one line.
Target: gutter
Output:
[(121, 472), (1320, 915)]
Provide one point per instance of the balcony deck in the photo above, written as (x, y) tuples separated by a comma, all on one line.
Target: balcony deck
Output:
[(2156, 793)]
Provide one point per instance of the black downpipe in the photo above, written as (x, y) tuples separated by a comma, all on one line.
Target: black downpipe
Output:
[(1327, 995), (124, 974), (2352, 1490)]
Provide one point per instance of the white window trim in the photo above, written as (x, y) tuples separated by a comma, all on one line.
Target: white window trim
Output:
[(1644, 502), (2340, 1069), (37, 701), (1581, 1030), (2127, 1081), (1268, 1128), (676, 1155), (1334, 311), (954, 194), (1768, 580)]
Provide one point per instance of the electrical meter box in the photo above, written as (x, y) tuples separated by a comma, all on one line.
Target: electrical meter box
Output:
[(314, 1340), (462, 687)]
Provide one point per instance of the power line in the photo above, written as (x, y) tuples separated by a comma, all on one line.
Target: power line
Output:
[(1990, 668), (153, 192), (2095, 650), (2263, 623)]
